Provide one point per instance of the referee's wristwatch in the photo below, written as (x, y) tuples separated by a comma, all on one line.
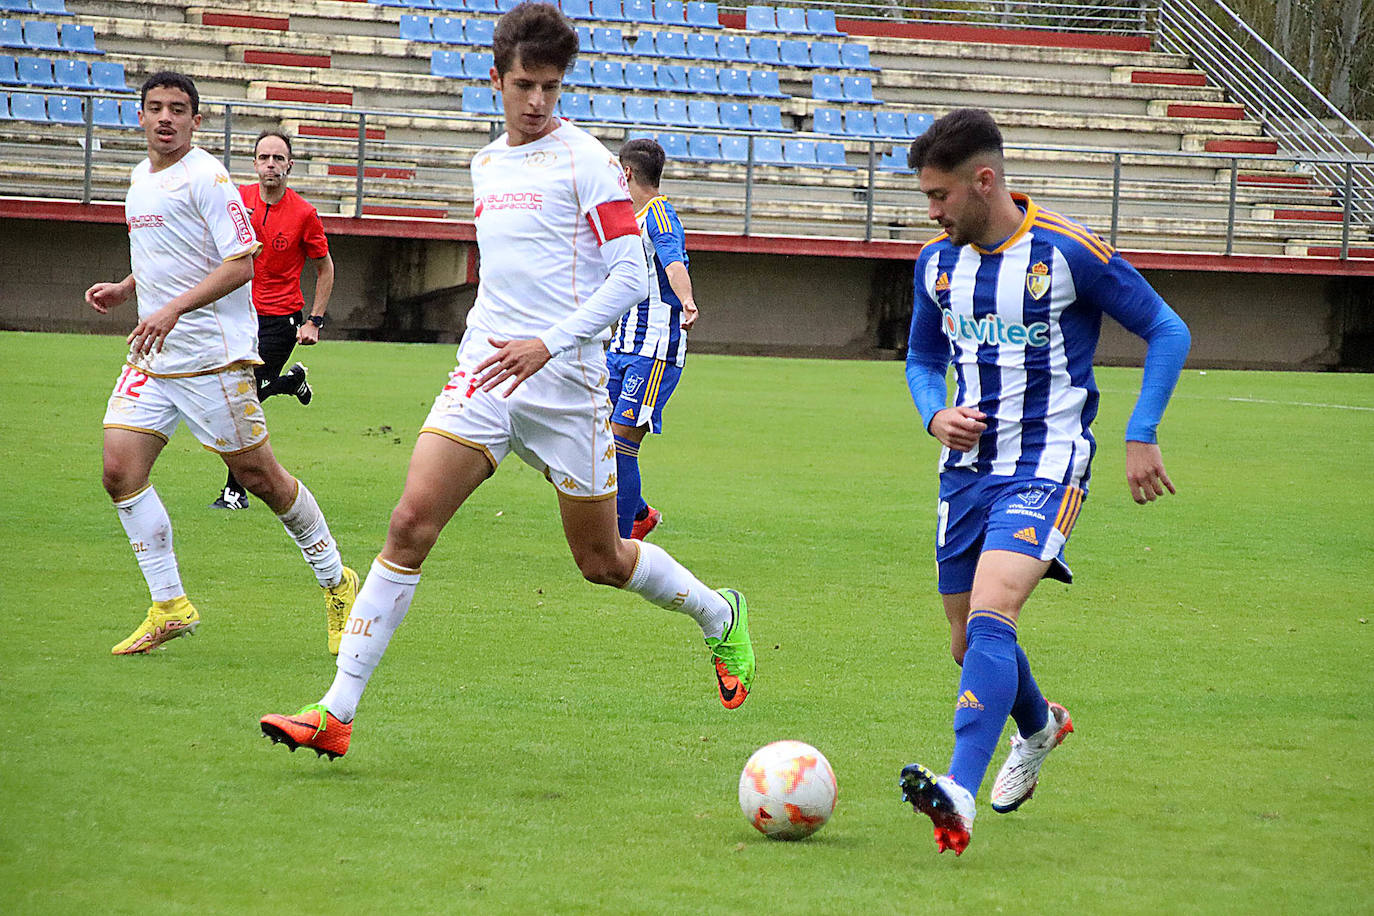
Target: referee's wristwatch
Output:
[(316, 320)]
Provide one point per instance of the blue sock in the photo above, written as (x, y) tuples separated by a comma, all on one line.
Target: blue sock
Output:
[(987, 689), (1030, 711), (627, 500)]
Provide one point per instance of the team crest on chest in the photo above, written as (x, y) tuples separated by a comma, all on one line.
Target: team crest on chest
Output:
[(1038, 280)]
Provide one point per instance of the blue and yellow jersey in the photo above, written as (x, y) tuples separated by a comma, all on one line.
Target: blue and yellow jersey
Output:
[(654, 327)]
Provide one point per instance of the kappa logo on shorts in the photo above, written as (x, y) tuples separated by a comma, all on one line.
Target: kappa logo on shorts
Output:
[(1027, 535), (610, 482), (568, 484), (1035, 497)]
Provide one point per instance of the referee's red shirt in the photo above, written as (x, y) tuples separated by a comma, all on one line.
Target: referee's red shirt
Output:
[(290, 231)]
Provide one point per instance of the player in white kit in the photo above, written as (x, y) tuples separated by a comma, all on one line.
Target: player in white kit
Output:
[(191, 358), (561, 261)]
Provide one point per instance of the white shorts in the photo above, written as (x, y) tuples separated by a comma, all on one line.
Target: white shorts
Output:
[(221, 408), (558, 421)]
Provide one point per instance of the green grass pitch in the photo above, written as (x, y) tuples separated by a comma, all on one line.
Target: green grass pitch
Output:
[(533, 743)]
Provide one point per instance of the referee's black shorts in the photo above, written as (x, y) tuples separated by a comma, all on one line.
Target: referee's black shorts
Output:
[(276, 340)]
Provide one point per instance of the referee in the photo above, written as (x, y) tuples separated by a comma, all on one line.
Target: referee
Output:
[(290, 232)]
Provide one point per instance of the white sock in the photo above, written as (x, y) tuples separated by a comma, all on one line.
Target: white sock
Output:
[(305, 523), (660, 579), (150, 535), (379, 609)]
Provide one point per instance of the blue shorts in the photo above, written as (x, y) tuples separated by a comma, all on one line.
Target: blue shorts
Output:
[(639, 387), (978, 512)]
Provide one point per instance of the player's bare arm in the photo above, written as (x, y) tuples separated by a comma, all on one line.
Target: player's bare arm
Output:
[(958, 428), (681, 282), (309, 332), (150, 333), (1145, 472), (104, 296), (514, 360)]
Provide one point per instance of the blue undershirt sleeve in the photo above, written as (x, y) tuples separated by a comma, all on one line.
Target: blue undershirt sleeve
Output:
[(927, 355)]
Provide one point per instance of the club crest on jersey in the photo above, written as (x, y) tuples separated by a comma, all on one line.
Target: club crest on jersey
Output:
[(1038, 279), (942, 283), (539, 159)]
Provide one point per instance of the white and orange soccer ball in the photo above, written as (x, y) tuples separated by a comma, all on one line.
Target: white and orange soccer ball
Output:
[(787, 790)]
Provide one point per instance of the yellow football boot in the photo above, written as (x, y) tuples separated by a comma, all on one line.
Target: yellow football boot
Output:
[(166, 620), (338, 601)]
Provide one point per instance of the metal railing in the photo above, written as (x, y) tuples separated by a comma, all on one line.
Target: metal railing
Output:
[(1142, 199), (1290, 108)]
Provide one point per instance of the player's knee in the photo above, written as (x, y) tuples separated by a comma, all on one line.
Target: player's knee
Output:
[(957, 650), (411, 531), (600, 567), (118, 481)]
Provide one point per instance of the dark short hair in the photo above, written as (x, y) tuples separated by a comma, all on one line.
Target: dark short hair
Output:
[(280, 135), (645, 159), (170, 79), (536, 34), (955, 139)]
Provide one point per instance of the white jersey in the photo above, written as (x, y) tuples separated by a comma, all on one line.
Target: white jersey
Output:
[(184, 221), (543, 210)]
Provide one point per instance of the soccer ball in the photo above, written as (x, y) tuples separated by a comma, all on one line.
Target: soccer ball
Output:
[(787, 790)]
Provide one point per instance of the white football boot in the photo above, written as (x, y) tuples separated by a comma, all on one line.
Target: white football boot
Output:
[(1016, 780), (948, 805)]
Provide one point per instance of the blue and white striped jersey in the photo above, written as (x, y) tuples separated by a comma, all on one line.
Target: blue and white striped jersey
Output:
[(1021, 324), (654, 327)]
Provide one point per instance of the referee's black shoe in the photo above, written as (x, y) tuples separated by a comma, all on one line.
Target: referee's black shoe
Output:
[(230, 498), (296, 384)]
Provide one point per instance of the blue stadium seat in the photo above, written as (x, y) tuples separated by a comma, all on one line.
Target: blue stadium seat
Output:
[(821, 22), (128, 112), (674, 145), (5, 106), (672, 44), (8, 75), (670, 12), (481, 100), (860, 123), (580, 74), (641, 77), (448, 30), (764, 85), (576, 105), (584, 39), (827, 121), (477, 64), (504, 6), (734, 148), (794, 53), (577, 9), (479, 32), (11, 33), (447, 63), (608, 108), (109, 75), (825, 54), (607, 11), (826, 87), (734, 48), (734, 81), (764, 51), (859, 89), (673, 111), (766, 117), (760, 19), (644, 44), (416, 28), (638, 10), (703, 14), (799, 152), (27, 106), (830, 155), (65, 109), (768, 151), (42, 36), (703, 113), (36, 71), (450, 6), (891, 124), (482, 6), (792, 20), (105, 113), (734, 115), (895, 160), (854, 56), (608, 41), (917, 123), (702, 46), (15, 6), (705, 80), (704, 147), (71, 74), (640, 109), (672, 77), (608, 74)]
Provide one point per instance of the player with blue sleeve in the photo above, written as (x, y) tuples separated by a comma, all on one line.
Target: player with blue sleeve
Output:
[(1013, 295), (649, 346)]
